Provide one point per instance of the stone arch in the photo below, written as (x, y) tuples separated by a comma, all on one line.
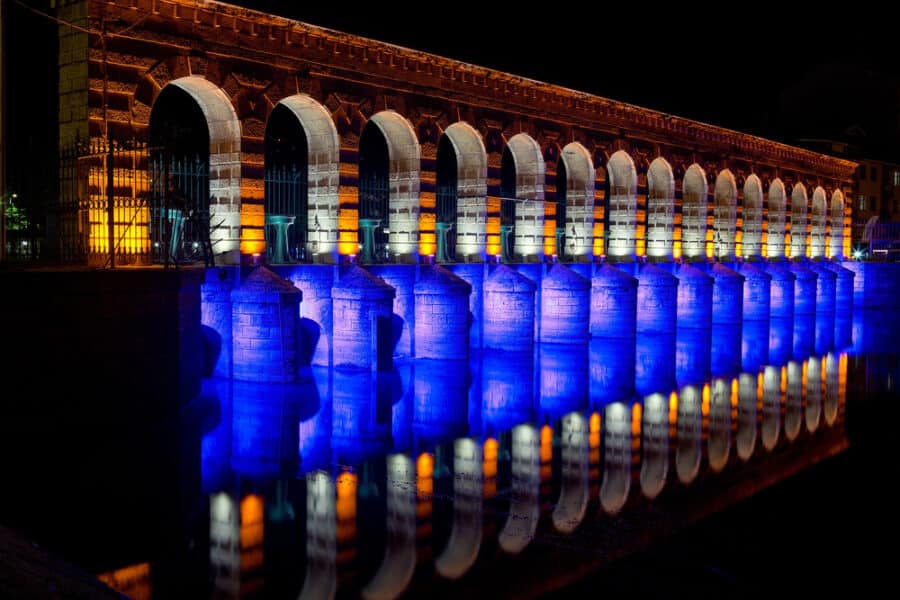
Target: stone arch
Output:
[(752, 216), (322, 149), (574, 493), (694, 199), (470, 189), (524, 507), (660, 208), (402, 185), (775, 223), (223, 130), (836, 245), (621, 218), (799, 201), (579, 200), (724, 214), (819, 223), (522, 189), (654, 445)]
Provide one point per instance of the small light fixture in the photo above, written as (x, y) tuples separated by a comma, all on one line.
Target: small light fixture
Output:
[(254, 259)]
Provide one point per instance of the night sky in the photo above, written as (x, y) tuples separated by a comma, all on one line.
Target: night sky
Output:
[(765, 69)]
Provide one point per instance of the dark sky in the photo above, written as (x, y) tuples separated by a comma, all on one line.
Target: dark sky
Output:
[(761, 68)]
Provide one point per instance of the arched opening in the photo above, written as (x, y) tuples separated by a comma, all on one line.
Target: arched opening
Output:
[(461, 219), (799, 201), (286, 205), (693, 213), (193, 124), (752, 216), (575, 203), (724, 215), (447, 193), (561, 183), (818, 224), (389, 158), (522, 199), (836, 246), (301, 182), (621, 199), (660, 209), (776, 220)]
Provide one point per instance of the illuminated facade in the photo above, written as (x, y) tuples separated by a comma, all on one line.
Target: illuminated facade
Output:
[(583, 176)]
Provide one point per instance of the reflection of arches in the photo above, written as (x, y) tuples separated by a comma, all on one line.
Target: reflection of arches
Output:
[(465, 537), (621, 202), (746, 417), (617, 458), (321, 538), (654, 445), (220, 133), (752, 217), (660, 208), (832, 387), (399, 562), (793, 411), (301, 133), (776, 220), (524, 509), (466, 184), (719, 424), (818, 223), (389, 158), (522, 191), (771, 421), (579, 200), (836, 246), (573, 493), (690, 429), (724, 214), (693, 212), (813, 412), (799, 200)]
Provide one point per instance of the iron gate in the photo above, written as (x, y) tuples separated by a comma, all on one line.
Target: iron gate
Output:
[(179, 209), (287, 196)]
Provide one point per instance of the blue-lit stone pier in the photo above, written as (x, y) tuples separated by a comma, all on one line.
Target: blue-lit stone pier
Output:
[(365, 316)]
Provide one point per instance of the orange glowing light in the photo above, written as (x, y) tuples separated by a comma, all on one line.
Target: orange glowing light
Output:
[(425, 475), (704, 400), (489, 467), (546, 443), (252, 507), (734, 393), (636, 412), (133, 580), (673, 409), (676, 250), (345, 507)]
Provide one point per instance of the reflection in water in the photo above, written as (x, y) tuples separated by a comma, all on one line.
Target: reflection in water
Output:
[(321, 538), (793, 410), (612, 370), (580, 397), (814, 393), (617, 457), (654, 445), (771, 420), (396, 569), (726, 350), (574, 472), (748, 395), (507, 395), (825, 330), (781, 344), (465, 537), (692, 356), (654, 364), (441, 399), (564, 379), (523, 506), (832, 385), (690, 431), (720, 423)]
